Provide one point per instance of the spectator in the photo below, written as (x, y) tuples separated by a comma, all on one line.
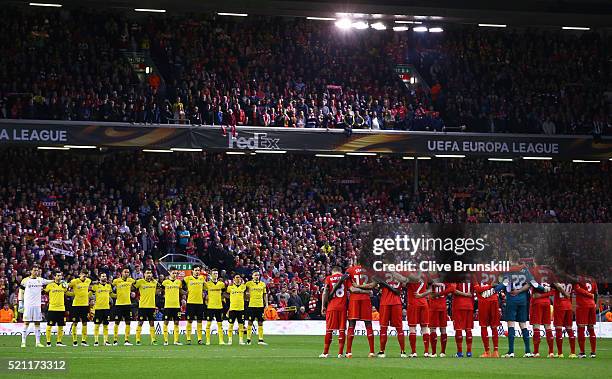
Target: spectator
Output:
[(6, 314)]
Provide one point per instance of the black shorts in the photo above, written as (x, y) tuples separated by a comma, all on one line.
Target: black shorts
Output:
[(216, 314), (79, 314), (236, 316), (194, 312), (56, 318), (146, 314), (255, 313), (102, 316), (123, 312), (172, 314)]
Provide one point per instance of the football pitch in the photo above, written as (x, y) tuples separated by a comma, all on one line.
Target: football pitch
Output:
[(291, 357)]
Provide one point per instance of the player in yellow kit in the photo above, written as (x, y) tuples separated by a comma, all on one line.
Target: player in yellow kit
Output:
[(123, 305), (80, 306), (236, 309), (102, 291), (57, 290), (258, 300), (172, 305), (194, 284), (214, 305), (147, 288)]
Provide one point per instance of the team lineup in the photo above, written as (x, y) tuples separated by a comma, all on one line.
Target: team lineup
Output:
[(526, 294), (205, 302)]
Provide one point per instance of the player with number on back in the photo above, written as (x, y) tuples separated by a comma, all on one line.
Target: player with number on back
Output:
[(438, 317), (333, 306), (586, 298), (463, 317), (391, 313), (359, 308), (564, 317), (488, 310), (539, 309)]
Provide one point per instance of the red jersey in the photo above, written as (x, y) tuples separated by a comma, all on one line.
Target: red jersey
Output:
[(413, 290), (561, 302), (338, 301), (463, 302), (357, 276), (484, 285), (586, 289), (542, 274), (387, 296), (442, 289)]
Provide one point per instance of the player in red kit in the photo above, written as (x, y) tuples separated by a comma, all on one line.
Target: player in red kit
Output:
[(488, 310), (359, 308), (563, 317), (438, 316), (418, 314), (334, 300), (586, 297), (539, 309), (463, 317), (391, 314)]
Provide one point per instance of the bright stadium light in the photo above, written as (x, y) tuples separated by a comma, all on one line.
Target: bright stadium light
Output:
[(80, 146), (420, 29), (537, 158), (420, 17), (186, 149), (377, 15), (363, 154), (150, 10), (400, 28), (450, 156), (329, 155), (575, 28), (45, 5), (492, 25), (232, 14), (408, 158), (52, 148), (156, 151), (501, 159), (359, 25), (407, 22), (235, 153), (378, 26), (270, 151), (584, 161), (423, 158), (436, 30), (321, 18), (343, 23)]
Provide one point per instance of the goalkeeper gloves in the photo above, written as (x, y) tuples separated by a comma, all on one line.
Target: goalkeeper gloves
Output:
[(20, 307)]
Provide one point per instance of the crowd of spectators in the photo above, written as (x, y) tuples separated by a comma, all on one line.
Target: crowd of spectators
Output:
[(70, 65), (291, 219)]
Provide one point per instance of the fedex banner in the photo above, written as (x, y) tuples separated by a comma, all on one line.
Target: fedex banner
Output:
[(210, 138), (280, 328)]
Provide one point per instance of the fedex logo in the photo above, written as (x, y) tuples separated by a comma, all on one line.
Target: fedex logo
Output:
[(258, 141)]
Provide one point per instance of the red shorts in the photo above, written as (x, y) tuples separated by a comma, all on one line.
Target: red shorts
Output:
[(463, 319), (391, 315), (437, 318), (360, 310), (488, 313), (563, 318), (418, 315), (335, 320), (539, 314), (585, 316)]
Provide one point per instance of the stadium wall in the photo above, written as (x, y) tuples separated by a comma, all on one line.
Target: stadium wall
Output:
[(289, 328)]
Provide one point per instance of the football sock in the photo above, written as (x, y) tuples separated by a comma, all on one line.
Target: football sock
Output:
[(96, 332), (128, 326), (84, 332), (37, 333), (459, 340), (592, 338), (47, 335), (341, 339), (559, 339), (426, 342), (550, 340), (74, 332), (208, 332), (433, 337), (260, 331), (351, 335), (188, 331), (370, 334), (525, 333), (105, 332), (511, 340), (572, 340), (581, 338), (328, 338), (24, 333), (152, 333), (138, 333), (165, 332), (383, 338), (60, 333), (176, 331), (240, 331), (401, 339), (220, 331), (443, 340), (495, 338), (484, 332), (116, 331), (249, 331), (199, 330), (412, 338), (536, 340), (468, 340)]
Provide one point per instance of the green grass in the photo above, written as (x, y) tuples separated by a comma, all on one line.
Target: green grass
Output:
[(293, 357)]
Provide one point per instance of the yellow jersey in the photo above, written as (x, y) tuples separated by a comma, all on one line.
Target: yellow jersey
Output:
[(147, 291), (123, 288), (257, 291), (236, 297), (195, 287), (56, 296), (81, 291), (102, 293), (214, 300), (171, 293)]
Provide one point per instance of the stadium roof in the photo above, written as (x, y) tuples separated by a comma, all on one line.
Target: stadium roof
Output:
[(591, 13)]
